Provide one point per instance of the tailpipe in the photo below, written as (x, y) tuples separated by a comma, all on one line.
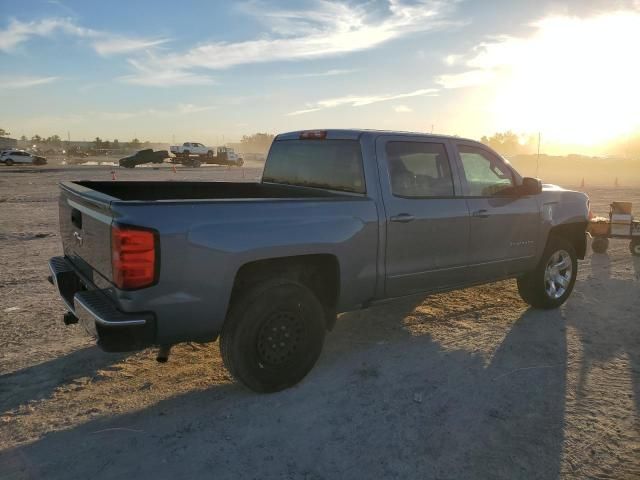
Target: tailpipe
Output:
[(163, 353), (69, 319)]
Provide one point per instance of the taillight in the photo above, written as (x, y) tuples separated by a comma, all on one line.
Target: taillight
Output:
[(133, 257), (313, 135)]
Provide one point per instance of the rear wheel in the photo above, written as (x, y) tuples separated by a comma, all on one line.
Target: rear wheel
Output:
[(634, 247), (551, 283), (273, 335), (8, 162), (600, 244)]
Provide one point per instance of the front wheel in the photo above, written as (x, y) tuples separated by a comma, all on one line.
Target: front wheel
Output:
[(551, 283), (273, 335), (8, 162), (634, 247)]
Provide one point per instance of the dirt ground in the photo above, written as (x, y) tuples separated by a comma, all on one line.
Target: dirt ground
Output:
[(470, 384)]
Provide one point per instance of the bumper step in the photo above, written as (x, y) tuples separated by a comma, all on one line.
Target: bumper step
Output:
[(98, 314)]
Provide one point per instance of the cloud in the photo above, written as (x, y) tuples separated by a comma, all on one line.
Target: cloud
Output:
[(116, 45), (359, 101), (186, 108), (402, 109), (161, 75), (327, 29), (328, 73), (104, 43), (179, 109), (465, 79), (13, 82)]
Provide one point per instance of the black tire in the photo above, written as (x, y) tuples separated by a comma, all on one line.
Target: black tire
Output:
[(245, 343), (8, 162), (600, 244), (634, 247), (533, 287), (196, 163), (240, 162)]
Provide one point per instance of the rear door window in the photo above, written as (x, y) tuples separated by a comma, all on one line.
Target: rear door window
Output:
[(329, 164), (419, 169)]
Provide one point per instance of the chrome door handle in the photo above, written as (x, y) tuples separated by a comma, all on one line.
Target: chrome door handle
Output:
[(402, 218), (481, 214)]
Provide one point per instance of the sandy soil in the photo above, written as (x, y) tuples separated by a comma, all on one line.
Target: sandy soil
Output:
[(470, 384)]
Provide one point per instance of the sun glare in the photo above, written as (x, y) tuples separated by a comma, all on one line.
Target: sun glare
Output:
[(576, 80)]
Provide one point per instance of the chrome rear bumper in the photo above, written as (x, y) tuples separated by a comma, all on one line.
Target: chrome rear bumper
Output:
[(115, 330)]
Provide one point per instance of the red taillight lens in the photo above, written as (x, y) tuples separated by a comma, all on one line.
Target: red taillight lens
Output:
[(313, 135), (133, 257)]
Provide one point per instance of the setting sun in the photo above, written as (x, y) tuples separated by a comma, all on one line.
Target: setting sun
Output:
[(576, 80)]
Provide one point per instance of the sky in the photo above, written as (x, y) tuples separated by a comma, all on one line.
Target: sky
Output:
[(213, 71)]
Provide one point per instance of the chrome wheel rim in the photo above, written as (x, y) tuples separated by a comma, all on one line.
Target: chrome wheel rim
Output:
[(558, 274)]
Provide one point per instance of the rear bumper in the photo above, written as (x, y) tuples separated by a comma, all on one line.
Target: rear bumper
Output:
[(114, 330)]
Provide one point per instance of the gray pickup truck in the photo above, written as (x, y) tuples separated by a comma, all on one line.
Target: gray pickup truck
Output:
[(342, 219)]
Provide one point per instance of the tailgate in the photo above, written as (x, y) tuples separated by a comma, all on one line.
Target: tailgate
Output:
[(85, 228)]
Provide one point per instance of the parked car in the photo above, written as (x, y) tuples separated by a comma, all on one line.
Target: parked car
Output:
[(10, 157), (341, 220), (143, 156)]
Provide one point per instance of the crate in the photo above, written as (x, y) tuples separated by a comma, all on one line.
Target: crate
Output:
[(621, 229), (598, 229), (621, 207)]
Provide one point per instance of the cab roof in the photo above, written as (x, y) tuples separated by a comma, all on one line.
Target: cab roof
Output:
[(356, 134)]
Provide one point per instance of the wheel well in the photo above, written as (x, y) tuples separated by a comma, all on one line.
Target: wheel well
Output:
[(575, 233), (320, 273)]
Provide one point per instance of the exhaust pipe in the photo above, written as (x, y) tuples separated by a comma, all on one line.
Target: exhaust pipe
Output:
[(163, 353), (69, 319)]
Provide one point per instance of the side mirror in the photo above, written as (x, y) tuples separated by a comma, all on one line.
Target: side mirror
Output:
[(531, 186)]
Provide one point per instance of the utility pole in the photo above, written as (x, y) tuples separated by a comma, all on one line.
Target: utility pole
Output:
[(538, 159)]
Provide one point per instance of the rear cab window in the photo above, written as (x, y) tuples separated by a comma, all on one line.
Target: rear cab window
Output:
[(327, 164)]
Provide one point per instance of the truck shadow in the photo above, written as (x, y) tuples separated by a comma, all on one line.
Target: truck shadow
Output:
[(386, 400), (39, 381), (602, 323)]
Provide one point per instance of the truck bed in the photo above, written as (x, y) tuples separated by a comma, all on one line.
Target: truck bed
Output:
[(159, 190)]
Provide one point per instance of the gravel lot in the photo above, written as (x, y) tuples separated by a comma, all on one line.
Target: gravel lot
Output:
[(470, 384)]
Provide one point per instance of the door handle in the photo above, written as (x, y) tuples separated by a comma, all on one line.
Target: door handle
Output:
[(481, 214), (402, 218)]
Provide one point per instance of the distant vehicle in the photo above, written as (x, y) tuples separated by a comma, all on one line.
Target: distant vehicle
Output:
[(10, 157), (192, 148), (210, 155), (226, 156), (342, 220), (143, 156)]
